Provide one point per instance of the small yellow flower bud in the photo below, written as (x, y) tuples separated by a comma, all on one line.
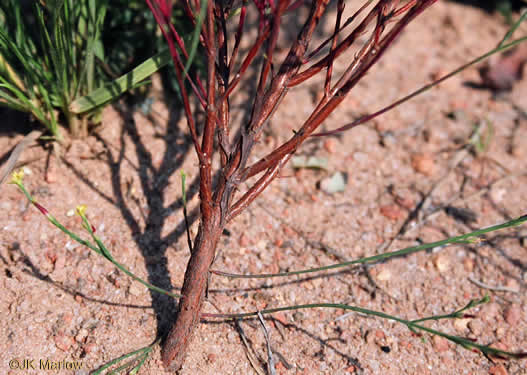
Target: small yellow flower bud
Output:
[(17, 177), (81, 210)]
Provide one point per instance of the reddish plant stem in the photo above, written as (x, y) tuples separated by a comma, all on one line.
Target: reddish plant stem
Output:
[(216, 206), (193, 291)]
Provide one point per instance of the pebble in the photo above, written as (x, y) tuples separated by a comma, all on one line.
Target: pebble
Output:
[(60, 263), (440, 344), (513, 284), (81, 335), (392, 211), (498, 370), (136, 289), (330, 145), (476, 327), (231, 337), (461, 324), (497, 194), (424, 163), (513, 314), (489, 312), (244, 240), (384, 275), (63, 342), (468, 264), (334, 184), (442, 263), (89, 348)]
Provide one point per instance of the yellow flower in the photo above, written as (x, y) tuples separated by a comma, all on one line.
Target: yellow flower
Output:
[(81, 210), (17, 177)]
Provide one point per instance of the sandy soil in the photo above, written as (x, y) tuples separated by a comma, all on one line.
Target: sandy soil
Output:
[(60, 301)]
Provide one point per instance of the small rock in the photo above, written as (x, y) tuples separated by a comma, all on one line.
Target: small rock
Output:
[(512, 284), (244, 240), (330, 145), (442, 263), (440, 344), (489, 312), (476, 327), (500, 332), (334, 184), (81, 335), (280, 316), (89, 348), (136, 289), (51, 176), (461, 324), (405, 202), (63, 342), (498, 370), (370, 337), (231, 337), (384, 275), (468, 264), (497, 194), (60, 263), (424, 163), (392, 212), (513, 314)]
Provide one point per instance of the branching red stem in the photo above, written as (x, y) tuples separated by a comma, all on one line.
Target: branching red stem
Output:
[(217, 204)]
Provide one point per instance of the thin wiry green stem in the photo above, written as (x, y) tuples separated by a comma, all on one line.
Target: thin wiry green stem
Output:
[(98, 247), (469, 238), (411, 324), (140, 354)]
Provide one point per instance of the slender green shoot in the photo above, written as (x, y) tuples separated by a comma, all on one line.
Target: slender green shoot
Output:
[(195, 37), (412, 325), (513, 28), (97, 246), (138, 358), (469, 238)]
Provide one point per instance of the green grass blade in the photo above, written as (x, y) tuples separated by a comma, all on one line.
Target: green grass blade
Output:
[(112, 90), (513, 28), (23, 101), (146, 350), (195, 36)]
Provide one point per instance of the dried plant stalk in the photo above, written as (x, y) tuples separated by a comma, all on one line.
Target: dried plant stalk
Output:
[(218, 205)]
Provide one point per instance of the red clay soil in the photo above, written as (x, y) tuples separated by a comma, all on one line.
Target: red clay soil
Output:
[(411, 179)]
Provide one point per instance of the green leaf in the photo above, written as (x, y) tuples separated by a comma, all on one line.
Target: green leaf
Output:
[(112, 90), (195, 36)]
